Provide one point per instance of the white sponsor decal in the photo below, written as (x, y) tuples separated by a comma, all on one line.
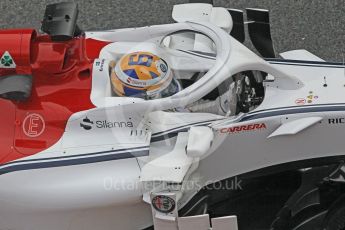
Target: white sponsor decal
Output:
[(33, 125)]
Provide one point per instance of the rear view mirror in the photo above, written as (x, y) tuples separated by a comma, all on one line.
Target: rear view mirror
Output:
[(16, 87), (199, 141)]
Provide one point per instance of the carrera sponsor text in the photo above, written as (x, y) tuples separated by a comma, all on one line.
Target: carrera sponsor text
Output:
[(244, 128)]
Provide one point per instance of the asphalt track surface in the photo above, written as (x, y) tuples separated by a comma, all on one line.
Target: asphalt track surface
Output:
[(315, 25)]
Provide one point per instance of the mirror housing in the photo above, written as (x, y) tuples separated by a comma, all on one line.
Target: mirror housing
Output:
[(199, 141)]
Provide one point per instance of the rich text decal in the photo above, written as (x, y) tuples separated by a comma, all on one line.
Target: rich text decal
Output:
[(335, 121)]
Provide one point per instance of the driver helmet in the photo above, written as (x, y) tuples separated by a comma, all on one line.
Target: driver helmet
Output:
[(143, 75)]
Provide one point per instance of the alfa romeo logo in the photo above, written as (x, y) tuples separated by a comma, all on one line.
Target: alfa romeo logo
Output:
[(163, 204), (33, 125), (6, 61)]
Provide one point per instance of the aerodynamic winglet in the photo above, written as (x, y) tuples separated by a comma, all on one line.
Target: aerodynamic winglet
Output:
[(260, 32), (295, 126), (238, 27)]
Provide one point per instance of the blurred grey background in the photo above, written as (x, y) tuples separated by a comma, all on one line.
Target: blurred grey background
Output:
[(315, 25)]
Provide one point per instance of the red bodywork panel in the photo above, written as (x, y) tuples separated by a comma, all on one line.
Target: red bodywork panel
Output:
[(61, 86)]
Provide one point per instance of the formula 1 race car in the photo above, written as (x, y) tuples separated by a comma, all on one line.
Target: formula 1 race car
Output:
[(172, 127)]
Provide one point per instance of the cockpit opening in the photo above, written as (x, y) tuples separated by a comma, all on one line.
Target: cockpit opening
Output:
[(241, 93), (169, 66)]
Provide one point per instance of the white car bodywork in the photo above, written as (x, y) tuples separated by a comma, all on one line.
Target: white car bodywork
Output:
[(144, 144)]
